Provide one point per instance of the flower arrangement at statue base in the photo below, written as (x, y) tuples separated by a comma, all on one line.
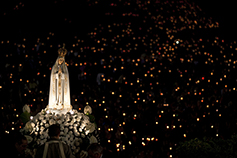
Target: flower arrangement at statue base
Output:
[(78, 130)]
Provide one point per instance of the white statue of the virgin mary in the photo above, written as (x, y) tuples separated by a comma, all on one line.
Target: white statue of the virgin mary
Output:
[(59, 92)]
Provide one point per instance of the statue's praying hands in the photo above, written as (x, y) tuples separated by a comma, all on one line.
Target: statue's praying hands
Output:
[(60, 70)]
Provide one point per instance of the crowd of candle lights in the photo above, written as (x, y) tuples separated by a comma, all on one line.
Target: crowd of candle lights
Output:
[(152, 75)]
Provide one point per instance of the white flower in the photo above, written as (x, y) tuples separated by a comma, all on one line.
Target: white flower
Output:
[(59, 122), (51, 122), (32, 124), (41, 117), (79, 118), (35, 119), (87, 109), (93, 140), (62, 119), (28, 127), (29, 138), (70, 133), (72, 138), (90, 127), (41, 128), (86, 119), (72, 122), (75, 124), (70, 125), (77, 134), (47, 118), (26, 108), (37, 128), (41, 132), (75, 111), (86, 132), (80, 114), (83, 154), (44, 121), (83, 125), (80, 129), (67, 117), (72, 112), (42, 112), (65, 130), (37, 116), (63, 116)]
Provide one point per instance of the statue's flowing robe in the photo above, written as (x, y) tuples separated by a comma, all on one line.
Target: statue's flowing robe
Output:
[(59, 92)]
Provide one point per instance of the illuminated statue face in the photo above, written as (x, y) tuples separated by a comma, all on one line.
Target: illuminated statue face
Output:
[(60, 61)]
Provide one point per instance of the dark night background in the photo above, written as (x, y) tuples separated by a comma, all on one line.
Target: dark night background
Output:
[(69, 18), (39, 17)]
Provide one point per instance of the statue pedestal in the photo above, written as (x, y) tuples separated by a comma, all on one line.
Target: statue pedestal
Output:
[(59, 111)]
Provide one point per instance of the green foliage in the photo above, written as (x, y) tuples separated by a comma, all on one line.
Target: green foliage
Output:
[(208, 147), (91, 117), (25, 117)]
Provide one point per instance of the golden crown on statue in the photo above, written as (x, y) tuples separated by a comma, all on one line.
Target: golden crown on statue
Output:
[(62, 51)]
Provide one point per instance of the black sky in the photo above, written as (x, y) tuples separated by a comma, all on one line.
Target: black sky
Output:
[(225, 13), (41, 16)]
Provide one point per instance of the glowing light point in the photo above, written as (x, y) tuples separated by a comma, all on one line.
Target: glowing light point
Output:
[(72, 112)]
